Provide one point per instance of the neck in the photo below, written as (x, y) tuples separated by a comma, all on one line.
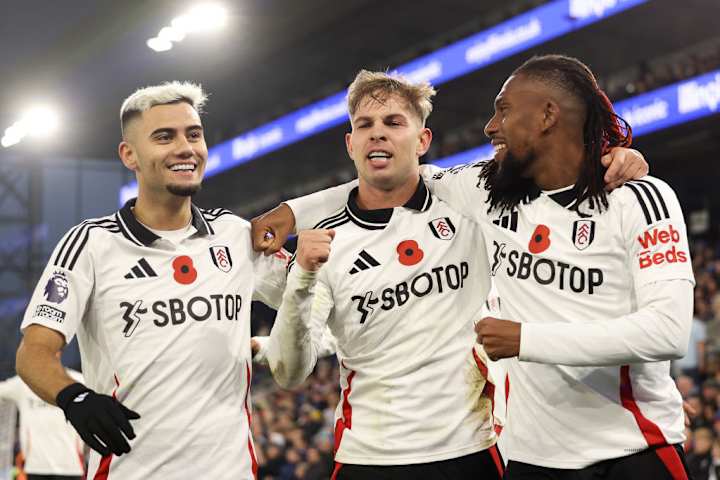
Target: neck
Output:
[(373, 198), (171, 212), (559, 165)]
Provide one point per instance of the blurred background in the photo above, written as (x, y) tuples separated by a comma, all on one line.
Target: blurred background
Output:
[(276, 71)]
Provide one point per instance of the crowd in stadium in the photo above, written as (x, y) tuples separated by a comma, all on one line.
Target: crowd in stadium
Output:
[(293, 429), (641, 78), (698, 374)]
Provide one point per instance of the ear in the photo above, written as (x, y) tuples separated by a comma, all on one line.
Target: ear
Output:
[(127, 155), (424, 143), (551, 114), (348, 144)]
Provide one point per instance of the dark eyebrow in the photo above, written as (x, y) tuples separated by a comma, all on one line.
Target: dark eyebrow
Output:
[(169, 131)]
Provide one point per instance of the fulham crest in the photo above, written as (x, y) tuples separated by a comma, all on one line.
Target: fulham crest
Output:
[(442, 228), (221, 258), (583, 233)]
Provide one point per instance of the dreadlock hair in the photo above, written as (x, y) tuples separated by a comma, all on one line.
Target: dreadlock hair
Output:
[(603, 128)]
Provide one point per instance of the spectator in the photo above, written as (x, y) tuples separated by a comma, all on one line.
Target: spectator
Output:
[(686, 386), (318, 466), (715, 468), (700, 457)]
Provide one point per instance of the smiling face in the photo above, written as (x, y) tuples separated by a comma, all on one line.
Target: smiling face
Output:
[(517, 125), (386, 142), (165, 147)]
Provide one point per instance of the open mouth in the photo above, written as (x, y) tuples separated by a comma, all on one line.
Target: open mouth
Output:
[(379, 158), (500, 148)]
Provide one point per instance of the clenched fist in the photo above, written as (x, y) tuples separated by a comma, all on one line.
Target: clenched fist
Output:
[(313, 248), (500, 338)]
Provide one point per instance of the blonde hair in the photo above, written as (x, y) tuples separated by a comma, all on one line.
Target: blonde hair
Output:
[(380, 85), (144, 99)]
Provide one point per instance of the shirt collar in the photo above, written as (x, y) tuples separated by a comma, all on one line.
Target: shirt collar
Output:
[(565, 196), (377, 219), (145, 236)]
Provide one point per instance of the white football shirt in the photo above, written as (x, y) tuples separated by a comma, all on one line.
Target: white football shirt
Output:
[(400, 294), (165, 327), (48, 442)]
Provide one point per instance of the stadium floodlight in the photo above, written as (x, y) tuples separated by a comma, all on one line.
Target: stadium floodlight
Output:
[(172, 34), (183, 23), (202, 18), (207, 17), (38, 122), (9, 141), (159, 44)]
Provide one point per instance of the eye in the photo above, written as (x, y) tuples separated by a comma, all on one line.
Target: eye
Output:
[(163, 137)]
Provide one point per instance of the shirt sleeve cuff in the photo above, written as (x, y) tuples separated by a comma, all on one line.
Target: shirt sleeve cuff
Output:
[(300, 277), (528, 342)]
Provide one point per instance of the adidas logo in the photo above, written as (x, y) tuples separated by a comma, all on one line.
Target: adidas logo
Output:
[(363, 262), (141, 270), (508, 221), (80, 397)]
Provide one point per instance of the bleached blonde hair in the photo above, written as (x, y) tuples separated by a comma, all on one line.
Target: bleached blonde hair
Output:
[(145, 98), (380, 85)]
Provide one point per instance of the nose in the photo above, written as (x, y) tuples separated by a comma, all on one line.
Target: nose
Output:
[(377, 133), (183, 147), (491, 127)]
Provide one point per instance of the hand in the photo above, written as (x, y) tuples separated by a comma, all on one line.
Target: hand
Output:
[(100, 420), (313, 248), (623, 164), (271, 229), (499, 338), (690, 412)]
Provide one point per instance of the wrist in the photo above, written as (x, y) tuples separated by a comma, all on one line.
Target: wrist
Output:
[(303, 273), (68, 394)]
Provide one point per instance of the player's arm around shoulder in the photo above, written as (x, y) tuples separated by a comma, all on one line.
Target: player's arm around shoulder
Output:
[(460, 187), (271, 229), (294, 340)]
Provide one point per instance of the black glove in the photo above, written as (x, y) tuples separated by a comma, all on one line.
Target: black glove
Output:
[(97, 417)]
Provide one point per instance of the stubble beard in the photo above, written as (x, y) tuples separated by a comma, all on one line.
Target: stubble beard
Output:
[(184, 190)]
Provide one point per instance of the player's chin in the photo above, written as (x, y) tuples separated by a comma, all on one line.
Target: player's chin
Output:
[(385, 180), (184, 189)]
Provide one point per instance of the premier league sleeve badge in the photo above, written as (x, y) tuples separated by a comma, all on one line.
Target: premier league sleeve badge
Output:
[(57, 288)]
